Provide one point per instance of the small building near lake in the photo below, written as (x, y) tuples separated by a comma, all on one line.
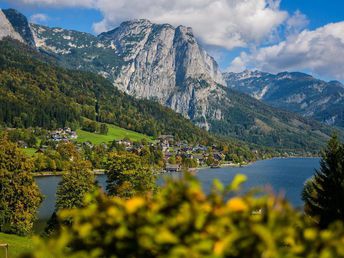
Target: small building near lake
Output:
[(172, 168)]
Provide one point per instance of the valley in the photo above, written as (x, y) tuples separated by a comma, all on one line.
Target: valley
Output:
[(171, 129)]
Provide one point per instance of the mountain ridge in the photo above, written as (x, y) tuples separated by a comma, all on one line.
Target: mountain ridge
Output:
[(166, 64), (294, 91)]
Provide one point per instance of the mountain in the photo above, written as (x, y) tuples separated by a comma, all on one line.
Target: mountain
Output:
[(297, 92), (16, 26), (35, 92), (145, 60), (166, 64)]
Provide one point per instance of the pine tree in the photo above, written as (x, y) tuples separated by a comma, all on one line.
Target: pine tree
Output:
[(324, 193)]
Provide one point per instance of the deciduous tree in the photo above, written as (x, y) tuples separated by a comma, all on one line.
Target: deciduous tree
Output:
[(19, 194), (128, 175)]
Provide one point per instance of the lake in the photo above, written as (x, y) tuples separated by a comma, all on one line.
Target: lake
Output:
[(285, 175)]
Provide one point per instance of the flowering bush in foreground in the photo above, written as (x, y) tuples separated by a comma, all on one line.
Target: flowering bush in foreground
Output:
[(181, 221)]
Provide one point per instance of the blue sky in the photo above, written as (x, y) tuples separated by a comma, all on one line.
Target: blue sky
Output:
[(269, 35)]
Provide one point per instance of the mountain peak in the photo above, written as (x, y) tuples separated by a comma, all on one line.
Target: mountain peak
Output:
[(20, 24), (6, 28), (136, 22)]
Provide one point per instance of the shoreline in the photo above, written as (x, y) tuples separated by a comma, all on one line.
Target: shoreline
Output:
[(226, 165), (252, 162), (60, 173)]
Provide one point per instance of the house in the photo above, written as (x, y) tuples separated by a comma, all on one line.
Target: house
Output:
[(187, 155), (200, 148), (22, 144), (168, 138), (218, 156), (165, 141), (64, 134), (164, 146), (168, 155), (87, 144), (200, 158), (125, 143), (40, 151), (73, 135), (172, 168)]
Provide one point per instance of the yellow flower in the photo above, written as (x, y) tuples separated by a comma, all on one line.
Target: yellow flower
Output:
[(219, 247), (133, 204), (237, 204), (310, 234), (112, 211)]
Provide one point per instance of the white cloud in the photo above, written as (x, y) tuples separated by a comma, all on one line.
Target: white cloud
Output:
[(296, 23), (319, 52), (59, 3), (224, 23), (39, 18)]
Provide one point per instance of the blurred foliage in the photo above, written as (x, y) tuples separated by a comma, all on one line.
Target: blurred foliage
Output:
[(181, 221)]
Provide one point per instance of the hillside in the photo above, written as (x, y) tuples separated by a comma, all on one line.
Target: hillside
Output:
[(253, 121), (296, 92), (36, 93), (114, 133)]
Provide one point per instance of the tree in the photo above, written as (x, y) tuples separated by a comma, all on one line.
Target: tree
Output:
[(128, 175), (90, 126), (172, 160), (103, 129), (68, 151), (189, 163), (210, 160), (75, 184), (324, 193), (20, 195)]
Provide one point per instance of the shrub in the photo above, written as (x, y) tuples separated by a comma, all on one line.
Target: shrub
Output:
[(181, 221)]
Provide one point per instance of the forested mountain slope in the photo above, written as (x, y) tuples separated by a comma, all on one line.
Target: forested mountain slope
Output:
[(34, 92)]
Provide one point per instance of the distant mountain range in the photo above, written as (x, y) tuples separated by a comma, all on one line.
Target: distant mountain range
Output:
[(296, 92), (166, 64)]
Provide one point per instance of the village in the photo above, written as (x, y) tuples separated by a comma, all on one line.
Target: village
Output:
[(173, 152)]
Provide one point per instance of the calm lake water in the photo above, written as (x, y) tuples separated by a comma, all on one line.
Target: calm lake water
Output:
[(283, 175)]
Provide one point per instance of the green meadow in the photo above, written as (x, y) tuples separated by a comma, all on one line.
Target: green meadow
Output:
[(17, 245), (114, 133)]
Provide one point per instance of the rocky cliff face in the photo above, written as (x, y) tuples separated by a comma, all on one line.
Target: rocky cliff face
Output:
[(164, 63), (297, 92), (149, 60), (7, 29), (20, 25)]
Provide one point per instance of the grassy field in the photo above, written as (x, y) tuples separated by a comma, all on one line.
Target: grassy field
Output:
[(17, 245), (115, 133), (29, 151)]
